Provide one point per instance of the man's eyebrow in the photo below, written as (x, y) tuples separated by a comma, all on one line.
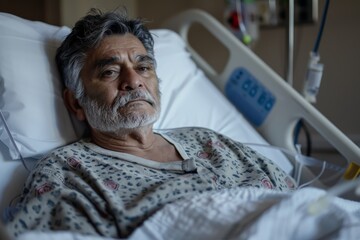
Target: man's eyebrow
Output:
[(145, 58), (104, 62)]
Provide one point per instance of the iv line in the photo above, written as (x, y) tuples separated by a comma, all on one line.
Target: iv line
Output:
[(322, 202), (303, 161), (13, 141), (306, 160)]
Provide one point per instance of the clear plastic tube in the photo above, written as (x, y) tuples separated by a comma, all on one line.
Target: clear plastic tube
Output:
[(305, 160), (322, 203), (12, 140)]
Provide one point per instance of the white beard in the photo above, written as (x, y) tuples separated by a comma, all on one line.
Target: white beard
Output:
[(108, 118)]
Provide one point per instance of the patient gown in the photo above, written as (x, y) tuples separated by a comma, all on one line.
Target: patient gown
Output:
[(94, 191)]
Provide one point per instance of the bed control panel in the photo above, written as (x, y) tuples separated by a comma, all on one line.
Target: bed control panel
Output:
[(249, 96)]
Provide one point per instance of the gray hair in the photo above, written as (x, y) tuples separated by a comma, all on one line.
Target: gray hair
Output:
[(87, 34)]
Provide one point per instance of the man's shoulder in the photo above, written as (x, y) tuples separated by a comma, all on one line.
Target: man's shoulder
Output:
[(77, 145), (68, 150), (60, 157)]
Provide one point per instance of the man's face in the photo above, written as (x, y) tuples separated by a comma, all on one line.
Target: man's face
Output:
[(121, 86)]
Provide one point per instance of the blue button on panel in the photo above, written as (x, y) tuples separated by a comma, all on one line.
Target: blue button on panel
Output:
[(269, 104), (246, 85), (250, 97), (262, 98), (253, 91)]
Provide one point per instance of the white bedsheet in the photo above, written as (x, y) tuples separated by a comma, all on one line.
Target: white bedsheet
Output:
[(243, 213), (249, 213)]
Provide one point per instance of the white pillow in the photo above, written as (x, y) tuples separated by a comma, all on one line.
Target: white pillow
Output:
[(31, 96)]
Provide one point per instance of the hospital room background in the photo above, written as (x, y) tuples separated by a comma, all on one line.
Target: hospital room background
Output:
[(338, 97)]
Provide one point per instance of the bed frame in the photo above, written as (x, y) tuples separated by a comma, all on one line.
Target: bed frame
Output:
[(279, 125)]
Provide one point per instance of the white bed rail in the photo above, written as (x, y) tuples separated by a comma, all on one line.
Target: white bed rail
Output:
[(290, 105)]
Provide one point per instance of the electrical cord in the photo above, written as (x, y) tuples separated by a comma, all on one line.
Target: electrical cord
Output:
[(302, 126)]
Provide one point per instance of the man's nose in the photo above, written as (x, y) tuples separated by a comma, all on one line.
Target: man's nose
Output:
[(130, 80)]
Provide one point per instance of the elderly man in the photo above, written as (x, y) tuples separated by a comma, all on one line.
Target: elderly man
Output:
[(109, 183)]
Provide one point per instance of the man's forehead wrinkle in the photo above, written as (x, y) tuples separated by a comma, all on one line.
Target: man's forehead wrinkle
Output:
[(106, 61)]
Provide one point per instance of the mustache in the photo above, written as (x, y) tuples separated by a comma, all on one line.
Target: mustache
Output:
[(122, 100)]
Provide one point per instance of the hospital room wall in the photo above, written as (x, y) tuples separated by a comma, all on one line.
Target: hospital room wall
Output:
[(339, 96), (72, 10)]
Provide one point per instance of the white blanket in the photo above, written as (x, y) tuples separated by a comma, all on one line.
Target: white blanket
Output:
[(245, 213), (249, 213)]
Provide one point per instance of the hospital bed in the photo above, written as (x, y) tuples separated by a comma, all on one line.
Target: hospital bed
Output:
[(193, 94)]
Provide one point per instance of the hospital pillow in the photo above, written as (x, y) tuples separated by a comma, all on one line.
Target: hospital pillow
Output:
[(31, 95), (31, 92)]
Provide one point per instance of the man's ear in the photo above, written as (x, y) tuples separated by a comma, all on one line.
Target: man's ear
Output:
[(73, 105)]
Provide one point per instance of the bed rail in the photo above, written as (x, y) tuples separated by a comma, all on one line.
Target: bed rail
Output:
[(278, 126)]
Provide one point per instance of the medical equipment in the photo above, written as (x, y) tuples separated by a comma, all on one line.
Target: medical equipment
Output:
[(242, 19), (185, 89), (312, 79), (315, 69)]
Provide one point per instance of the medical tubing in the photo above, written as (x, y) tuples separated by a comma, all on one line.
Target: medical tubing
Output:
[(306, 160), (301, 125), (321, 29), (12, 140), (339, 189), (299, 164), (297, 131), (240, 15), (299, 168), (332, 178), (316, 178), (302, 161), (322, 203), (290, 50)]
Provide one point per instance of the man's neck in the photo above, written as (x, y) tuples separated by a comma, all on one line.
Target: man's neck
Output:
[(140, 142), (125, 140)]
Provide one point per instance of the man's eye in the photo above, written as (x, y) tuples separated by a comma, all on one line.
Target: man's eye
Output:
[(144, 68), (109, 74)]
